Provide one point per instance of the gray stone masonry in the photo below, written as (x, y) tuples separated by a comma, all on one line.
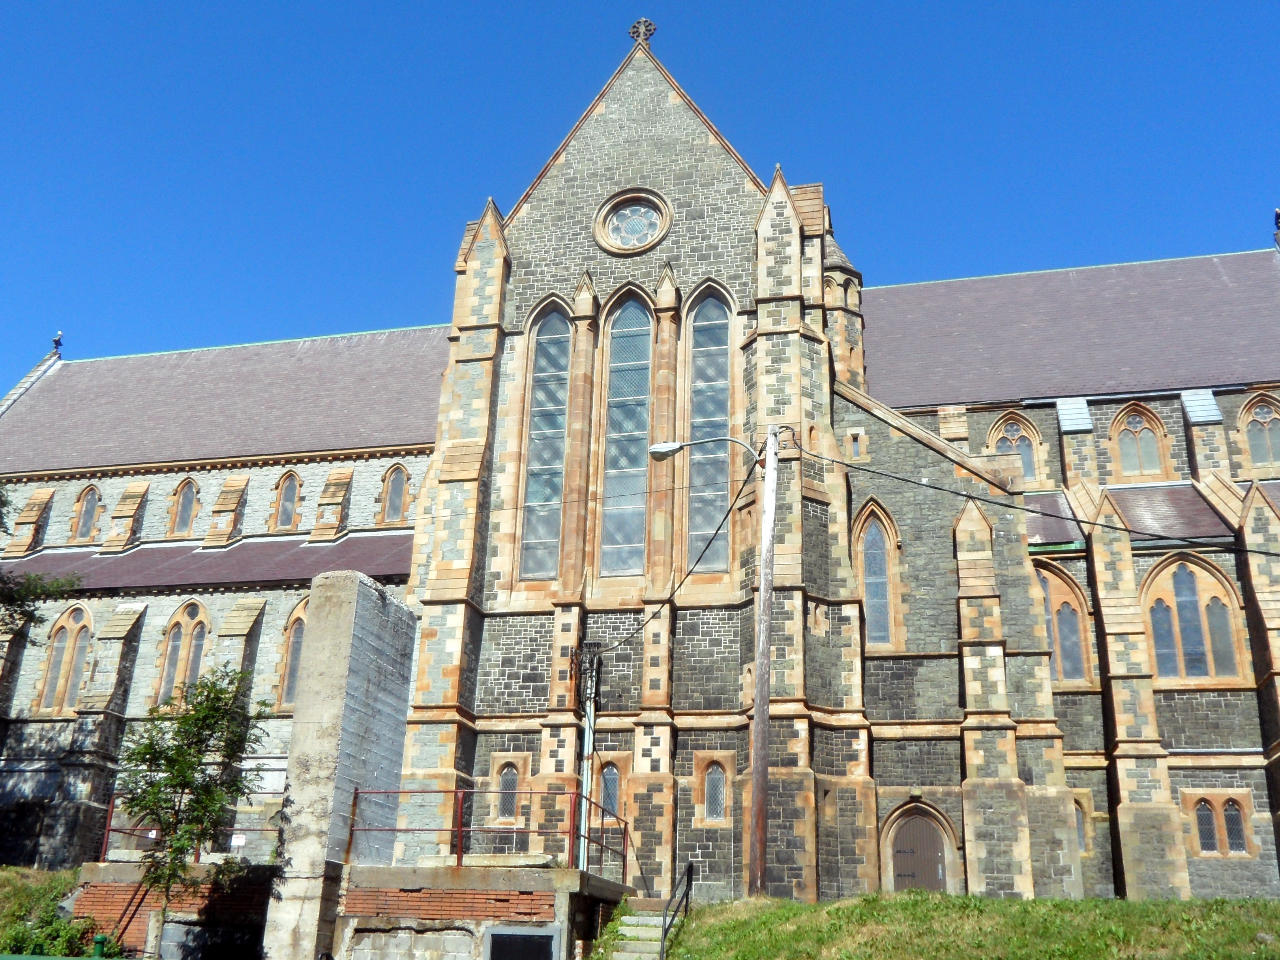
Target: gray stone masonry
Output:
[(914, 688), (1216, 875), (916, 763), (359, 643), (705, 660), (515, 664), (1208, 719)]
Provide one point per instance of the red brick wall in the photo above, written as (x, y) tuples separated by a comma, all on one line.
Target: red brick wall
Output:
[(123, 904), (450, 905)]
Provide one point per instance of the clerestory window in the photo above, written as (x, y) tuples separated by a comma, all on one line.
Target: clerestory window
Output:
[(1139, 445), (1015, 438), (544, 461), (1263, 432), (395, 493), (626, 460), (184, 509), (87, 507), (709, 462)]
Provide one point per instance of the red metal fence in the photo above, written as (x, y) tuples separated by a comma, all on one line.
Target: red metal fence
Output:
[(497, 821), (140, 834)]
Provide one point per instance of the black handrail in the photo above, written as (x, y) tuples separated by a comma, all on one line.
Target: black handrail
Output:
[(680, 898)]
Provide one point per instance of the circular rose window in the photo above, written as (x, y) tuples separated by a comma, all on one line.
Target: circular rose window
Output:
[(632, 221)]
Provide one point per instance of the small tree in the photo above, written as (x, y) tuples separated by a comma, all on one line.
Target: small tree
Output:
[(22, 594), (182, 775)]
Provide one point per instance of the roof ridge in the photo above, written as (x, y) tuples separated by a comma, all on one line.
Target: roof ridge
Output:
[(1095, 266), (259, 343)]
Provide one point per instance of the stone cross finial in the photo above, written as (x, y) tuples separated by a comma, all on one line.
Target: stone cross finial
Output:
[(642, 30)]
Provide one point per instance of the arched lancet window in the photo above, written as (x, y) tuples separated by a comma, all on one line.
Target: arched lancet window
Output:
[(395, 491), (1068, 628), (544, 461), (86, 514), (294, 635), (1014, 437), (1233, 820), (609, 790), (626, 450), (508, 782), (876, 587), (1080, 834), (184, 509), (183, 649), (1191, 616), (714, 792), (285, 515), (1206, 827), (1139, 445), (709, 462), (1262, 430), (68, 654)]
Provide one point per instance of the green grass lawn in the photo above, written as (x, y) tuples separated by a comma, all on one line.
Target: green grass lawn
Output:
[(920, 926)]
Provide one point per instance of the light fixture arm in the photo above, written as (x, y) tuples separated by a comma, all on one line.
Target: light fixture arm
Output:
[(664, 451)]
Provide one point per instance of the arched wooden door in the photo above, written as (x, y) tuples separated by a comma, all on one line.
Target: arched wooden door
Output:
[(918, 859)]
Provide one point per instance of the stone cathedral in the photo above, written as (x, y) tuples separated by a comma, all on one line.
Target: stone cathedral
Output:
[(1025, 635)]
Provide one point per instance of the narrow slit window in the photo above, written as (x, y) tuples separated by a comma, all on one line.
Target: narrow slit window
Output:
[(184, 509), (173, 650), (875, 582), (544, 462), (54, 674), (1068, 630), (287, 510), (79, 655), (1233, 818), (626, 459), (294, 656), (1080, 834), (87, 515), (393, 499), (709, 462), (609, 790), (507, 784), (1206, 827), (715, 792)]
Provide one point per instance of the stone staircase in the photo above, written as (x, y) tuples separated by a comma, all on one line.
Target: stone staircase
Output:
[(641, 933)]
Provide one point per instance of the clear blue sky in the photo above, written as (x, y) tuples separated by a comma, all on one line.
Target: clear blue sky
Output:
[(190, 174)]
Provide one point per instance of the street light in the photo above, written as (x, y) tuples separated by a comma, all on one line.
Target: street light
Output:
[(764, 617)]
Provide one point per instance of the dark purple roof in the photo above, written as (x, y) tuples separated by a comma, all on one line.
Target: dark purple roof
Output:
[(1168, 511), (291, 396), (1130, 327), (383, 556), (1051, 529)]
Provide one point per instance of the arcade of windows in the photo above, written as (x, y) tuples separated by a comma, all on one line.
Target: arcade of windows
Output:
[(627, 425), (184, 506), (1221, 827)]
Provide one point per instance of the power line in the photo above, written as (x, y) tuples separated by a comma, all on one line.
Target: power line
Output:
[(1233, 547)]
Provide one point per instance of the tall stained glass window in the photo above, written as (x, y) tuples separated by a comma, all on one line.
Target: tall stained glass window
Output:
[(875, 582), (544, 462), (626, 457), (709, 462)]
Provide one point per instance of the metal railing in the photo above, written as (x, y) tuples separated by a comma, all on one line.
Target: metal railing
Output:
[(679, 899), (146, 833), (468, 822)]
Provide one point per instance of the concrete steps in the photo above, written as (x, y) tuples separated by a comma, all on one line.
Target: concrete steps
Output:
[(640, 936)]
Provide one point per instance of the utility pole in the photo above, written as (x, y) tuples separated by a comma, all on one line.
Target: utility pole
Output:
[(589, 678), (764, 652)]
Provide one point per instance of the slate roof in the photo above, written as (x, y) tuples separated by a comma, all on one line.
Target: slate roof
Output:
[(290, 396), (833, 256), (383, 556), (1124, 328)]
